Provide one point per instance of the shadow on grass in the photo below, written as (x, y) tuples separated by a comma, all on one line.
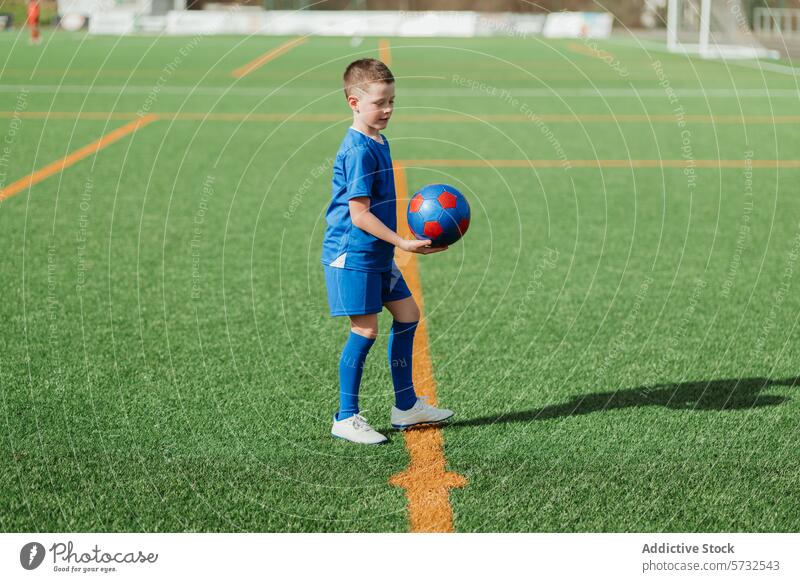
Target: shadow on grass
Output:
[(728, 394)]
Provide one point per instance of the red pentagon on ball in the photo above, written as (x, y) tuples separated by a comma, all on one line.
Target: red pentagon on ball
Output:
[(433, 229), (447, 200), (463, 226), (416, 202)]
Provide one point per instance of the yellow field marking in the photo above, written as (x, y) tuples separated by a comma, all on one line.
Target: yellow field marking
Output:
[(313, 117), (600, 118), (182, 116), (589, 51), (403, 117), (426, 480), (602, 163), (268, 56), (385, 51), (75, 157), (96, 115)]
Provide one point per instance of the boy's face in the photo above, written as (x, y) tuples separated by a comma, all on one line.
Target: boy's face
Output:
[(373, 104)]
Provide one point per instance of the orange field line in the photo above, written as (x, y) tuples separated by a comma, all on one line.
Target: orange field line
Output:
[(401, 117), (74, 157), (426, 480), (96, 115), (385, 51), (602, 163), (589, 51), (268, 56)]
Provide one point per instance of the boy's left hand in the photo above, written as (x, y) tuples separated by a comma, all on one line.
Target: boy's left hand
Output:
[(422, 247), (430, 250)]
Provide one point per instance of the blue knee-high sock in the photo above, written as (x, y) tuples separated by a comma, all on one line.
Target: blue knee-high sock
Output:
[(351, 366), (401, 349)]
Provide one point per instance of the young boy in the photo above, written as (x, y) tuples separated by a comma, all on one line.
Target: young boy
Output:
[(358, 257)]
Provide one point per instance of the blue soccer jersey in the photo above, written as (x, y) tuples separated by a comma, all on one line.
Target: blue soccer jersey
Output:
[(363, 167)]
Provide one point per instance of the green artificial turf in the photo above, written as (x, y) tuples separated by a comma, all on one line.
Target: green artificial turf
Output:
[(618, 343)]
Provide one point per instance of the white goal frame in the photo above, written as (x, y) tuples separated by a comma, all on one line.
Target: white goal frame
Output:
[(707, 46)]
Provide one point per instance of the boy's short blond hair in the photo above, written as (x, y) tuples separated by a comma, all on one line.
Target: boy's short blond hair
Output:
[(364, 71)]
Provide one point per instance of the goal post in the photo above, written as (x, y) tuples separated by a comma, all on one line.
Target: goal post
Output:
[(714, 29)]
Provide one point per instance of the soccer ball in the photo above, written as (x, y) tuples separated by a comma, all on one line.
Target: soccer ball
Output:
[(439, 213)]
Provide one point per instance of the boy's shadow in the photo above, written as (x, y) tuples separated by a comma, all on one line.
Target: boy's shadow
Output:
[(727, 394)]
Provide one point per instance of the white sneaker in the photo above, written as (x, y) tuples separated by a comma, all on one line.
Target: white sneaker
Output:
[(356, 429), (420, 413)]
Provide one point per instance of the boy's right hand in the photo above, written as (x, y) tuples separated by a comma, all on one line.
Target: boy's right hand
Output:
[(423, 247)]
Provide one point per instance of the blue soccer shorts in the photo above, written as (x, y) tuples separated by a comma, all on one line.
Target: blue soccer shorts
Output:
[(353, 292)]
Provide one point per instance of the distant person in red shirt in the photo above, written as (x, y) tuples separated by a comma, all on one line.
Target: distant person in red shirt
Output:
[(33, 21)]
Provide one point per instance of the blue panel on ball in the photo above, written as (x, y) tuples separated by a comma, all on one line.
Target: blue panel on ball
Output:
[(462, 207), (430, 210), (416, 223), (449, 226)]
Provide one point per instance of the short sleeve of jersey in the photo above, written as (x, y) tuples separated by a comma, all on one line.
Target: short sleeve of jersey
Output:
[(360, 166)]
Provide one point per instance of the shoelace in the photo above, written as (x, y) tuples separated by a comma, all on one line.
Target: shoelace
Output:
[(360, 422), (424, 402)]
